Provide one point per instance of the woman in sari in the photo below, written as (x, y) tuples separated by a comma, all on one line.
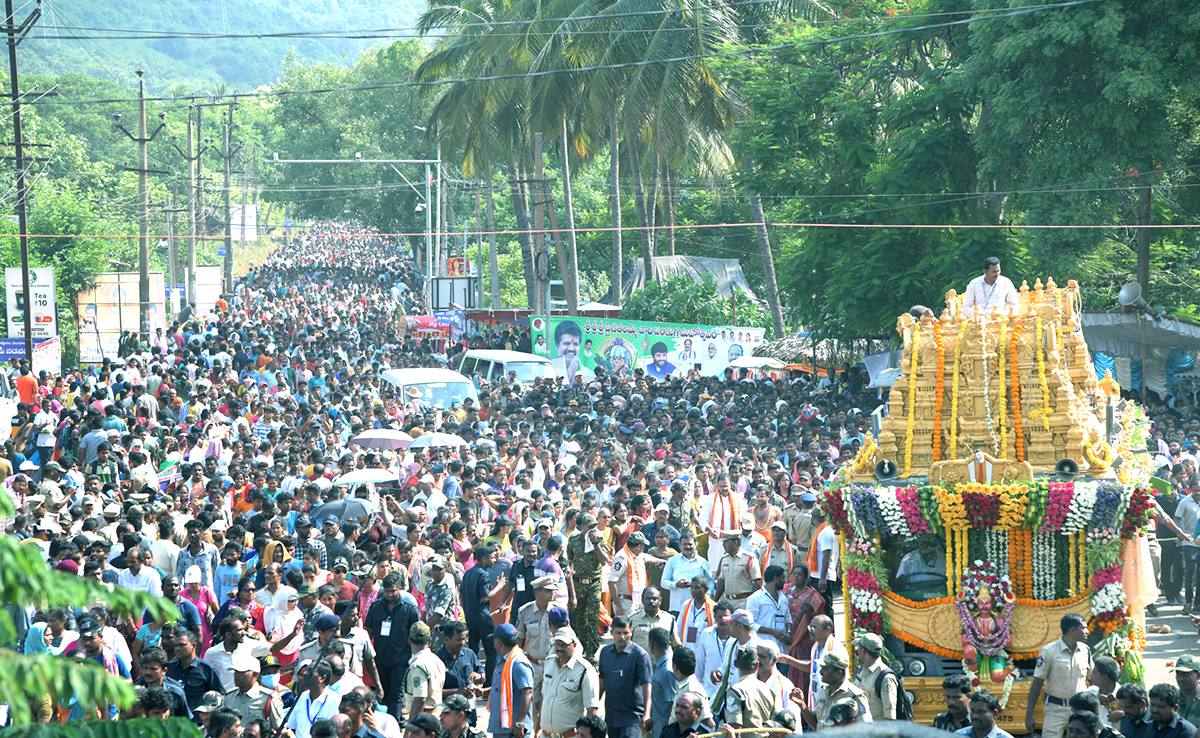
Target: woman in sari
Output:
[(804, 603), (622, 525)]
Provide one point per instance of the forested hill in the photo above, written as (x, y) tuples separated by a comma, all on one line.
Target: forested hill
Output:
[(240, 62)]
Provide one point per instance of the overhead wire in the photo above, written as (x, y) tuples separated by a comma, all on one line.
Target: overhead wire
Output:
[(417, 31), (594, 68)]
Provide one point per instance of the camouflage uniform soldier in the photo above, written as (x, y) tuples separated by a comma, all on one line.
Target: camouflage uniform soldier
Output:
[(588, 554), (681, 513)]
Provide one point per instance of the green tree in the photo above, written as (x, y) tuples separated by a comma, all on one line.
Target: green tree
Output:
[(1075, 97), (680, 299), (840, 132), (26, 580), (367, 124)]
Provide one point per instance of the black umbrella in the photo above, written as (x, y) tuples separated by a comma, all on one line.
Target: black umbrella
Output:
[(351, 507)]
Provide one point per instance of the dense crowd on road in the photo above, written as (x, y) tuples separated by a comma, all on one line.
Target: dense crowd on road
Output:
[(615, 557)]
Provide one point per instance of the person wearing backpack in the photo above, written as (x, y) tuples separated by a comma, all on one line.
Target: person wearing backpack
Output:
[(884, 688)]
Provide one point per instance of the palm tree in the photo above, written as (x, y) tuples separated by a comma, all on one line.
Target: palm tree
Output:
[(630, 73)]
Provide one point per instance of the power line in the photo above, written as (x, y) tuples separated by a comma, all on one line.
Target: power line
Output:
[(147, 34), (603, 229), (594, 68)]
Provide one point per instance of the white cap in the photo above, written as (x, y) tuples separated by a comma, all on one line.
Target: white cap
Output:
[(192, 575)]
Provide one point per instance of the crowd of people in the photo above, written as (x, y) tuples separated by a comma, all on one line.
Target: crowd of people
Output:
[(622, 557)]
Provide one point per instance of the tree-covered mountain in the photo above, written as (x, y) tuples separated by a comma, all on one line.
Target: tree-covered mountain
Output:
[(198, 63)]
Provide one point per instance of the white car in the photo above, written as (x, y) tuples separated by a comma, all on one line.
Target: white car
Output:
[(438, 387)]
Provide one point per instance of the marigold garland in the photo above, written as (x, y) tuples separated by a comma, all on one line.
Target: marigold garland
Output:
[(940, 389), (1103, 459), (1018, 431), (963, 555), (1003, 389), (1025, 513), (952, 449), (913, 604), (912, 402), (950, 562), (1041, 366)]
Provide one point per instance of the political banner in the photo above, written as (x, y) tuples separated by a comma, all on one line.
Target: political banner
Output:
[(40, 303), (619, 346)]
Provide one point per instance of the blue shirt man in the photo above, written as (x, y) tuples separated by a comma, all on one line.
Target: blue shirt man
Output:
[(513, 716), (625, 675), (662, 693)]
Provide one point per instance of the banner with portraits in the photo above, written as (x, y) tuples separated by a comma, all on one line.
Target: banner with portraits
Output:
[(578, 344)]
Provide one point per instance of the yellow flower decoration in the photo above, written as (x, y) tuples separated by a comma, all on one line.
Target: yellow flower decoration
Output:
[(1014, 499), (950, 507)]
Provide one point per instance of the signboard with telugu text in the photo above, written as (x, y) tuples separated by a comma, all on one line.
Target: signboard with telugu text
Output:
[(40, 302)]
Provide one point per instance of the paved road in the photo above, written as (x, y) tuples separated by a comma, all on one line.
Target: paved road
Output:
[(1163, 648)]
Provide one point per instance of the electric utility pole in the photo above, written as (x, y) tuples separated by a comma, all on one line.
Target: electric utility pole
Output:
[(193, 156), (229, 150), (242, 229), (169, 209), (142, 140), (15, 35)]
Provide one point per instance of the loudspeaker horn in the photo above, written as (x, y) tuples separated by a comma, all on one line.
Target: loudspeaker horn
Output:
[(1066, 469), (1131, 295), (886, 469)]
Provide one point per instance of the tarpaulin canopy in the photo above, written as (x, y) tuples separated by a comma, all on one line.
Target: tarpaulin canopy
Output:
[(726, 272), (1124, 334), (1117, 345)]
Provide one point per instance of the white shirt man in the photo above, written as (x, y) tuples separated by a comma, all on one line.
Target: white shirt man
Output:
[(827, 550), (712, 650), (989, 290), (770, 611)]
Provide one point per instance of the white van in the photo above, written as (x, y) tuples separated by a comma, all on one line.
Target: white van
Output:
[(438, 387), (492, 365)]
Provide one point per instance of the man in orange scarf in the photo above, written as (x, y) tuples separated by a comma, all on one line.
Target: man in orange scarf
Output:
[(512, 688)]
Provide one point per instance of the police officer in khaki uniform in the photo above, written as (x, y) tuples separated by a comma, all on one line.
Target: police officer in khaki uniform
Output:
[(426, 674), (749, 703), (798, 516), (780, 552), (570, 686), (1062, 669), (533, 634), (248, 698), (835, 690), (875, 678), (628, 578), (652, 616), (739, 574)]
